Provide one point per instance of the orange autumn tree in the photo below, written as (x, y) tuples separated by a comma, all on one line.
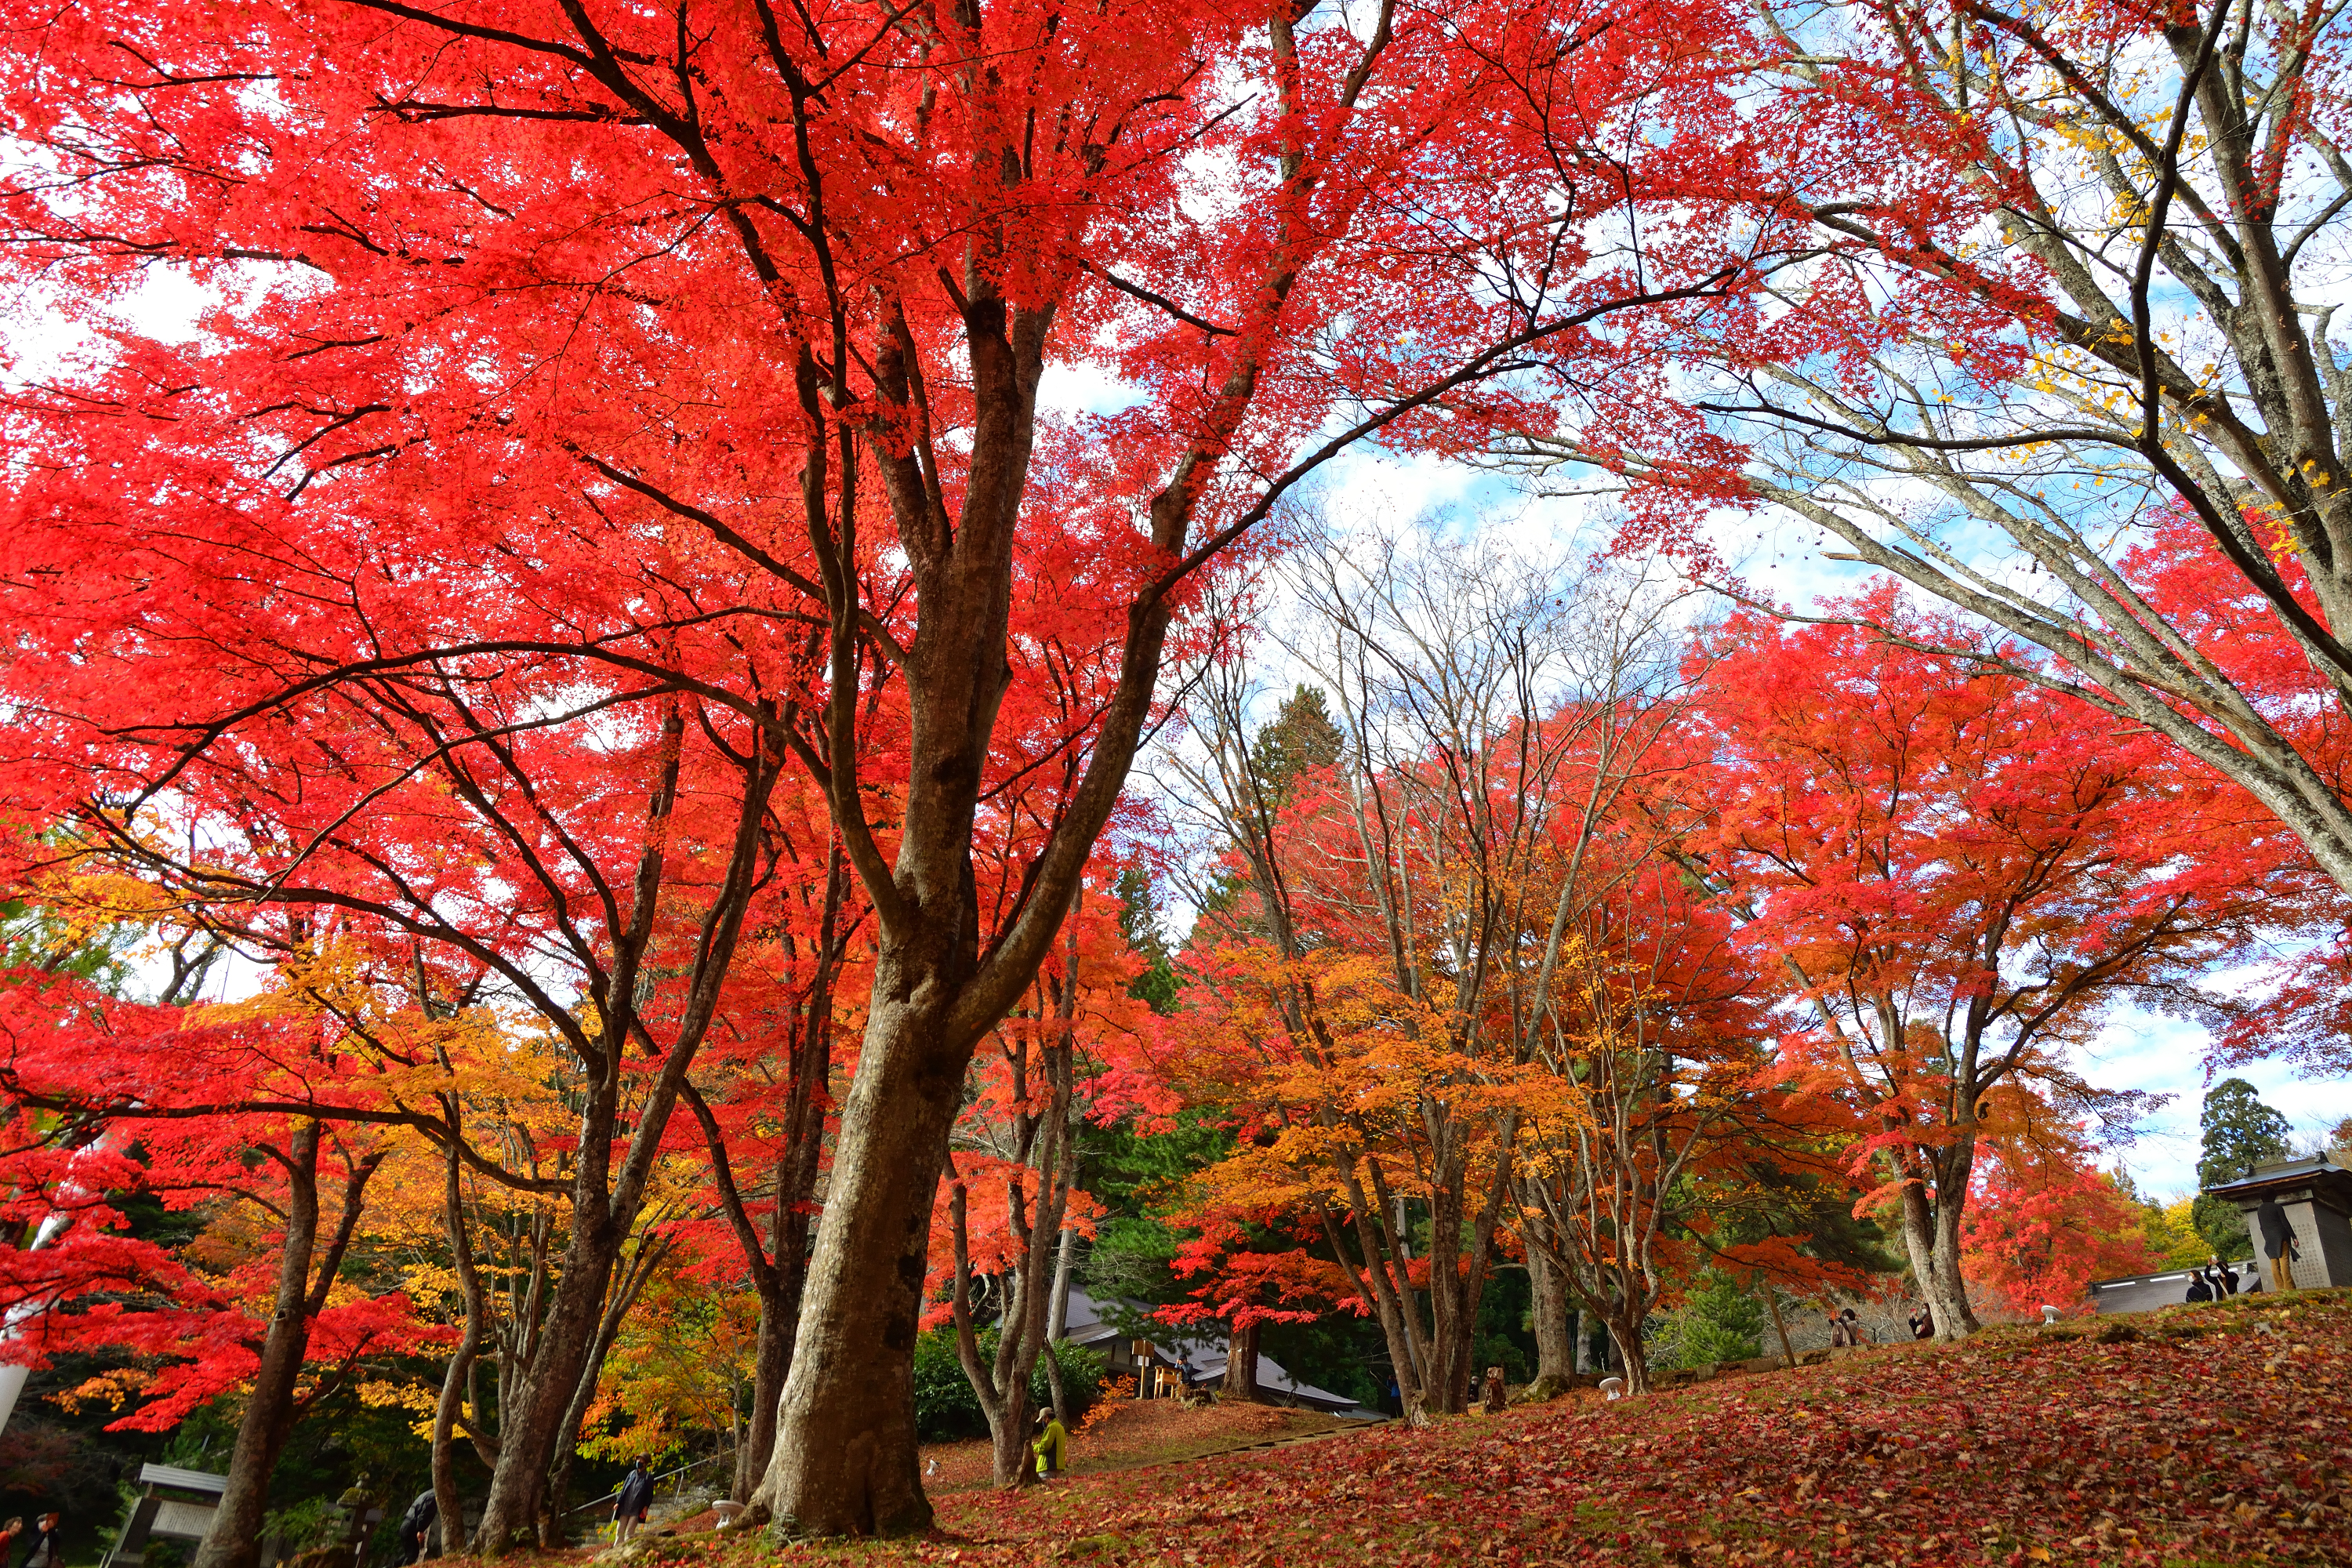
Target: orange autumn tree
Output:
[(1394, 893)]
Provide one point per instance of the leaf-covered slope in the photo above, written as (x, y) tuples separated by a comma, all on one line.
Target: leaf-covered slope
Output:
[(2210, 1436)]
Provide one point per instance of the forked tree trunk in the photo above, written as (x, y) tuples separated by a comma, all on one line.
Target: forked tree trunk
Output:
[(1920, 1226), (531, 1415), (539, 1417), (1955, 1166), (233, 1540), (1633, 1358), (555, 1507), (1035, 1207)]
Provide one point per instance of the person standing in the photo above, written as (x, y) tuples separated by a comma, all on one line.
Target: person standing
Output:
[(2278, 1242), (1052, 1445), (2224, 1278), (2200, 1288), (630, 1508), (45, 1552)]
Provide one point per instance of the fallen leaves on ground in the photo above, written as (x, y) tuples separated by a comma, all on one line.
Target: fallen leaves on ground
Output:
[(1139, 1432), (2200, 1437)]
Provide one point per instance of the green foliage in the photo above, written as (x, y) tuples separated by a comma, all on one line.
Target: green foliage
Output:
[(1504, 1335), (1340, 1351), (302, 1524), (1128, 1262), (1139, 923), (947, 1409), (1719, 1321), (2240, 1133), (1300, 739), (1136, 1173), (32, 937)]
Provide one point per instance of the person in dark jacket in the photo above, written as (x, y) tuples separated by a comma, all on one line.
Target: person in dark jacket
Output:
[(2200, 1288), (629, 1508), (416, 1522), (46, 1550), (2224, 1278)]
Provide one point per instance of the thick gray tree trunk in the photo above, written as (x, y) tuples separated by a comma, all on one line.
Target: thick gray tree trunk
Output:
[(1556, 1356), (846, 1459)]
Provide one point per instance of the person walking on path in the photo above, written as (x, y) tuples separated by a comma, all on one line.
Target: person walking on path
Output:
[(629, 1508), (44, 1553), (1052, 1445)]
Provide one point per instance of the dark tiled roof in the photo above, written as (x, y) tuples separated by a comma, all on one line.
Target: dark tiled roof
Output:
[(2325, 1171)]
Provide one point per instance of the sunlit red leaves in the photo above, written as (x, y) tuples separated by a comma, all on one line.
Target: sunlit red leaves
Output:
[(2036, 1233)]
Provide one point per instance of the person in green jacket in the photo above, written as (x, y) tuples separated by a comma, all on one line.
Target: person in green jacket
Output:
[(1052, 1445)]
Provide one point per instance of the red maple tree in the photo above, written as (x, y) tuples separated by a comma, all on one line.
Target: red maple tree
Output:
[(678, 371)]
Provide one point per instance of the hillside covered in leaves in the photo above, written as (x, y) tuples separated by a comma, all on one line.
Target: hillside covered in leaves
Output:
[(2200, 1435)]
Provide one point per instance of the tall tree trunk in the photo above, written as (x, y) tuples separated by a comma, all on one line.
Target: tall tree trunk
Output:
[(535, 1395), (539, 1418), (1449, 1334), (1240, 1382), (233, 1540), (1556, 1360), (459, 1375), (622, 1296), (1953, 1321), (778, 1265), (846, 1459), (1057, 1315), (771, 1358), (1632, 1356), (1953, 1167)]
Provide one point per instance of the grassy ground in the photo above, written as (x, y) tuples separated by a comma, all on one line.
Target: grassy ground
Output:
[(2201, 1437)]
